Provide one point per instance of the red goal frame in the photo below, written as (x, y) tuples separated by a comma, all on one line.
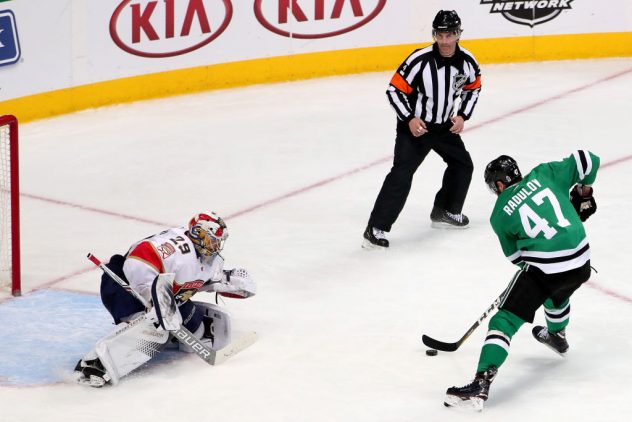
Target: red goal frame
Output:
[(12, 122)]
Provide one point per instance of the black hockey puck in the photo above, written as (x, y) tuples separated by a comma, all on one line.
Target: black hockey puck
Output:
[(431, 352)]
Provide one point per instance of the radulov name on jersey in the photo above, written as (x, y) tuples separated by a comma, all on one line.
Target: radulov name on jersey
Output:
[(521, 195), (528, 12)]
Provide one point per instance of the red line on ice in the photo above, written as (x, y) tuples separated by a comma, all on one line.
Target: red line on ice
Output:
[(332, 179), (608, 292)]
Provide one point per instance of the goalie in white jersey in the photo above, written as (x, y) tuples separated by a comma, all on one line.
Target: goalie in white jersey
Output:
[(192, 255)]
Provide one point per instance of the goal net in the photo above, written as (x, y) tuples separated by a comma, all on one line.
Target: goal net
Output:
[(9, 206)]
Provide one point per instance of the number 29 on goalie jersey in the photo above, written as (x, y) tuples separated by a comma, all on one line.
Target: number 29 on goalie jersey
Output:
[(535, 221)]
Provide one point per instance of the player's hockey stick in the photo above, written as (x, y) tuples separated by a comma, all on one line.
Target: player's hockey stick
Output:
[(452, 347), (182, 334)]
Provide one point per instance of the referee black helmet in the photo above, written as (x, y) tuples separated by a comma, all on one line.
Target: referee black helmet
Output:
[(446, 21)]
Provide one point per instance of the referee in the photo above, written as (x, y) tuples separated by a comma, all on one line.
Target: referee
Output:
[(433, 93)]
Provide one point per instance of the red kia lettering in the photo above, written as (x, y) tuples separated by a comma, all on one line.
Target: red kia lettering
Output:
[(165, 28), (319, 9), (297, 18)]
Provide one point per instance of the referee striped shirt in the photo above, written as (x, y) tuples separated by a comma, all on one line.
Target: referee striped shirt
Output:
[(427, 85)]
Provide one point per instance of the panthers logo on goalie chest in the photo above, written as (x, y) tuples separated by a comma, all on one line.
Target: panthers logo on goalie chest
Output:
[(184, 292)]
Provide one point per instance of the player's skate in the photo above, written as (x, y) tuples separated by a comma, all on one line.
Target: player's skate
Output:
[(92, 373), (554, 341), (473, 395), (442, 219), (374, 238)]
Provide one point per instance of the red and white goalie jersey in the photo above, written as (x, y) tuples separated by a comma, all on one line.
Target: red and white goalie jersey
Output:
[(172, 251)]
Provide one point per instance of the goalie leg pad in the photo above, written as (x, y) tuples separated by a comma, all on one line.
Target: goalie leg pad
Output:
[(217, 325), (215, 329), (128, 347)]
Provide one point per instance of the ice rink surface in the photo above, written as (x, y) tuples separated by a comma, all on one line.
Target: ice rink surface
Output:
[(295, 168)]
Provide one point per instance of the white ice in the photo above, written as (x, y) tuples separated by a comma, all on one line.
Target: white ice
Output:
[(295, 168)]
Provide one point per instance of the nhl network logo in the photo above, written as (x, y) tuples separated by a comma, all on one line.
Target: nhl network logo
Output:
[(528, 12)]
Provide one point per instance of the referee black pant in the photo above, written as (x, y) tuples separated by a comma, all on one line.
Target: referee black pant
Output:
[(409, 154)]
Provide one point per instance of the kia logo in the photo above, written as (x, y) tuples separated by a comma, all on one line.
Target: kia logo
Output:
[(167, 28), (310, 19)]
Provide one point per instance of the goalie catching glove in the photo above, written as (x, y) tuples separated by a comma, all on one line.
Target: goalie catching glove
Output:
[(583, 201), (235, 283)]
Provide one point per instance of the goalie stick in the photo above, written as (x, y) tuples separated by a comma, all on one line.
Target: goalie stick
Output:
[(183, 335), (452, 347), (244, 341)]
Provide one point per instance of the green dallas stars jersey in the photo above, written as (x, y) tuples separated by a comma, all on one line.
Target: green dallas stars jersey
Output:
[(535, 220)]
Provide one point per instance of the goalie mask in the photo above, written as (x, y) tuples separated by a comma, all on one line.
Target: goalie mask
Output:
[(208, 233), (503, 169)]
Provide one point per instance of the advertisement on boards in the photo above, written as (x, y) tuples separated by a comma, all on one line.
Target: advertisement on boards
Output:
[(148, 36), (317, 19), (528, 12), (9, 40), (89, 42), (168, 28)]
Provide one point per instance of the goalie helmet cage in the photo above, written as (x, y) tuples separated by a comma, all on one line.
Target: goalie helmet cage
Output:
[(9, 206)]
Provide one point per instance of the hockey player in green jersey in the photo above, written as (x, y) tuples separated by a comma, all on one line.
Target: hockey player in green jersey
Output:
[(540, 229)]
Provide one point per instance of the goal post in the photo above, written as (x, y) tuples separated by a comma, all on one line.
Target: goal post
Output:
[(9, 206)]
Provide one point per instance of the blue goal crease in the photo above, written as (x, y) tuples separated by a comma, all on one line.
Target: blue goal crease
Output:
[(45, 333)]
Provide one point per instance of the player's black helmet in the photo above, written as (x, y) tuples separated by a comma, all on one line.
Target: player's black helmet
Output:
[(504, 169), (446, 21)]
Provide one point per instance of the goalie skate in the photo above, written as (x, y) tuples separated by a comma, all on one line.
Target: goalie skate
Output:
[(91, 373)]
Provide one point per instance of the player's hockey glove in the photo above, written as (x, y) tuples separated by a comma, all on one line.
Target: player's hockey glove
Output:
[(584, 204)]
